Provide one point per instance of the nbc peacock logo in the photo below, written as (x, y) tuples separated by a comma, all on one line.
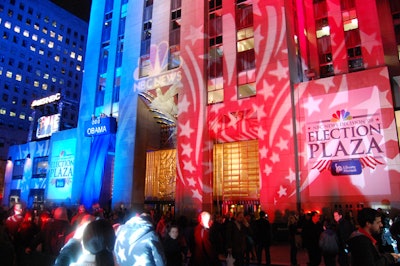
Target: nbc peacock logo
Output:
[(341, 115)]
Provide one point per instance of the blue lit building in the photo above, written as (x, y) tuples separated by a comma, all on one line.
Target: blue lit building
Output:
[(42, 51)]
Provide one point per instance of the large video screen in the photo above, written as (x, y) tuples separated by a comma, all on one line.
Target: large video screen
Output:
[(47, 125)]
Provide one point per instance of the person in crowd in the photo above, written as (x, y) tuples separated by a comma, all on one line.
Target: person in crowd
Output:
[(217, 232), (76, 219), (292, 228), (174, 251), (343, 230), (51, 237), (250, 238), (26, 232), (72, 250), (329, 244), (311, 232), (97, 244), (362, 243), (203, 249), (14, 221), (263, 238), (97, 210), (138, 232), (236, 233), (161, 228), (7, 253)]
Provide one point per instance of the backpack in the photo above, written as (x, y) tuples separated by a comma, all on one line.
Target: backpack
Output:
[(328, 242)]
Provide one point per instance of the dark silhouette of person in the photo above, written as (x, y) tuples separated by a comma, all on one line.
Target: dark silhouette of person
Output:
[(263, 238)]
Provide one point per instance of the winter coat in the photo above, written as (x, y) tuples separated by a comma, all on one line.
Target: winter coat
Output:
[(365, 253), (138, 244)]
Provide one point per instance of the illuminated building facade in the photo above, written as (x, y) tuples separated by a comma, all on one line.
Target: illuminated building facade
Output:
[(42, 50), (277, 105)]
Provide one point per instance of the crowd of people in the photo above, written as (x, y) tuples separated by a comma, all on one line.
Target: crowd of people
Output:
[(341, 239), (62, 237)]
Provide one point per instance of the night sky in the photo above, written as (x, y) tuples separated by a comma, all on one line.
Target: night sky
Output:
[(81, 8)]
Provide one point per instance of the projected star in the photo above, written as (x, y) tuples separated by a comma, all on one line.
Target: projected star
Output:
[(291, 176), (196, 194), (263, 152), (280, 72), (186, 149), (267, 90), (274, 157), (192, 182), (121, 254), (282, 191), (260, 111), (371, 42), (140, 260), (267, 170), (186, 130), (195, 34), (282, 144), (261, 133), (188, 166), (327, 83), (312, 105), (183, 106)]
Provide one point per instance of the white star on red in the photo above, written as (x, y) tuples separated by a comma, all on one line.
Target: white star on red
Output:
[(186, 130), (312, 105), (282, 191), (188, 166), (186, 149)]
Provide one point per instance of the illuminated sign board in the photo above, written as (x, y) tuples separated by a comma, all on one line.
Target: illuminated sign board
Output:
[(47, 125), (100, 126), (46, 100), (61, 169)]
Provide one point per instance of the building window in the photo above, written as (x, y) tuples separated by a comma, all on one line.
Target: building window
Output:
[(40, 166), (352, 35), (245, 56), (174, 60), (146, 39), (18, 169), (236, 171), (215, 87), (322, 32)]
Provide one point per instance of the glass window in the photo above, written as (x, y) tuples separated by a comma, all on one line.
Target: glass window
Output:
[(18, 169), (40, 166)]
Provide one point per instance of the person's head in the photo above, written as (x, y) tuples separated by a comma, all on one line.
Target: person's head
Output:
[(314, 216), (239, 217), (204, 219), (60, 213), (173, 231), (81, 209), (262, 214), (337, 215), (370, 220), (99, 239), (17, 208)]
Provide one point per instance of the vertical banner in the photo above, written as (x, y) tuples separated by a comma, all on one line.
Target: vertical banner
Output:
[(61, 169)]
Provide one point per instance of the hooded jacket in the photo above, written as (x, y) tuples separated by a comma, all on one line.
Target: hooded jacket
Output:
[(138, 244)]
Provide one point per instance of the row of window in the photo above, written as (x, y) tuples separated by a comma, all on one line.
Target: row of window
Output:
[(38, 16), (39, 169)]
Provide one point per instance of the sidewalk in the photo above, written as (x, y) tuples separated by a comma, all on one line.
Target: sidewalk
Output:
[(280, 255)]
